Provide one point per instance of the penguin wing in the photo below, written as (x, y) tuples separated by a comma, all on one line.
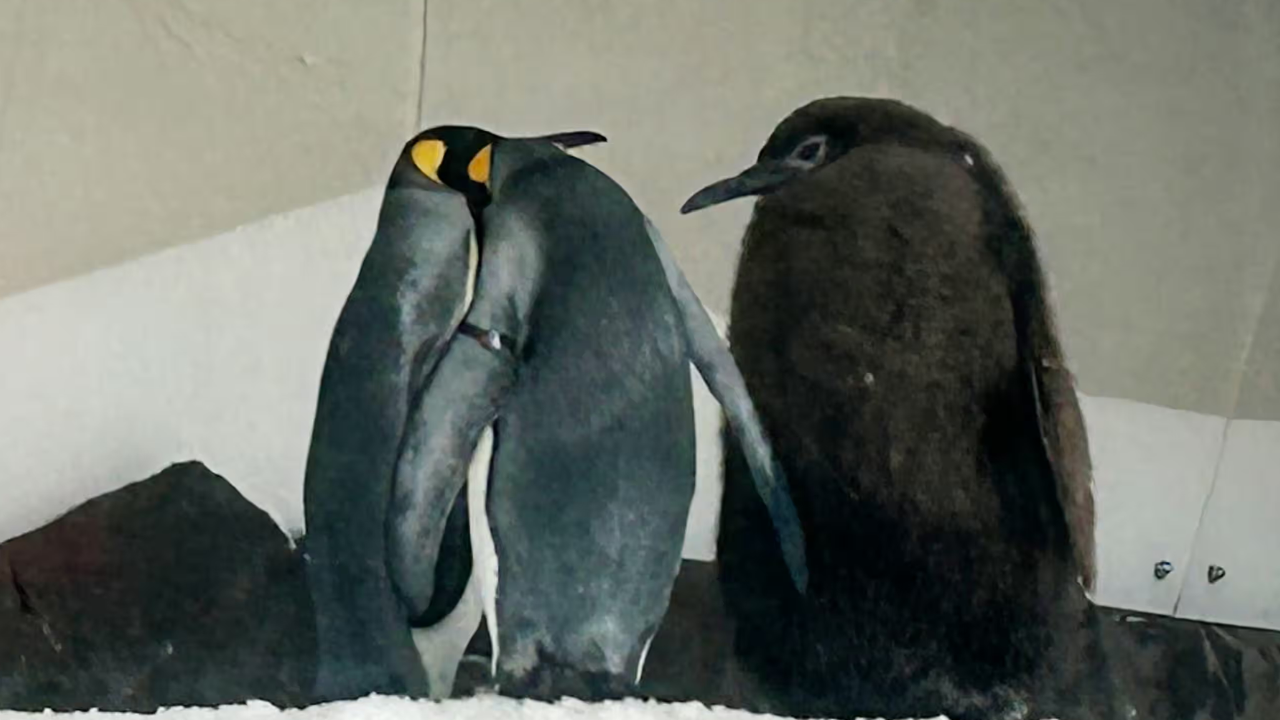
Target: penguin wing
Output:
[(1061, 424), (710, 354), (1062, 431)]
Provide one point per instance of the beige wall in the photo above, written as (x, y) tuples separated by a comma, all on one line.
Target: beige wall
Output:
[(1260, 383), (1139, 134), (127, 127)]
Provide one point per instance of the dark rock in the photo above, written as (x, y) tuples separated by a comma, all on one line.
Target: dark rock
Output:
[(175, 590)]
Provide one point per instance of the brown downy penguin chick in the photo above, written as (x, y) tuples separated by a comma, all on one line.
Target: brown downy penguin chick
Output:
[(892, 322)]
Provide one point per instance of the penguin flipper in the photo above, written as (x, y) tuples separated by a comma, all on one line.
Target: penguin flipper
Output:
[(453, 566), (1061, 424), (1063, 433), (710, 355), (459, 401)]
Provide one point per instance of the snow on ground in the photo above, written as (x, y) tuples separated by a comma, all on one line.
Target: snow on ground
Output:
[(491, 707)]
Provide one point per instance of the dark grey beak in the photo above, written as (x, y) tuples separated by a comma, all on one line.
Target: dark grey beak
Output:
[(758, 179), (573, 138)]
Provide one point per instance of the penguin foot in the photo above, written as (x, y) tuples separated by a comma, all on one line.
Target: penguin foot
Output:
[(550, 681)]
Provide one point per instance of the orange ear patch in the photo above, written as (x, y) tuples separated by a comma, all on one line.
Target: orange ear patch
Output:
[(427, 156), (478, 168)]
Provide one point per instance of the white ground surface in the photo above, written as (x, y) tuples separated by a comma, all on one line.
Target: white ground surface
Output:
[(479, 708)]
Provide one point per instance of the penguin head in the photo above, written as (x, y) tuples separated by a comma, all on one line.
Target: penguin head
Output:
[(453, 156), (821, 133), (459, 157)]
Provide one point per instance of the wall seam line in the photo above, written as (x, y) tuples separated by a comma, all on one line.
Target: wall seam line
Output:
[(1226, 427), (422, 72)]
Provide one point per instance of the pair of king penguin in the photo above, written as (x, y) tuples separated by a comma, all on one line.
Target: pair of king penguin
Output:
[(504, 427), (892, 322), (923, 542)]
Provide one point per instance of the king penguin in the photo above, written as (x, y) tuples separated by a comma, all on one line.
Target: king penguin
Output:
[(506, 412), (892, 322)]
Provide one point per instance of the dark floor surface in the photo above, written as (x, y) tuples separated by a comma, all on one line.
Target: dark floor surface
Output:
[(97, 610), (1162, 668)]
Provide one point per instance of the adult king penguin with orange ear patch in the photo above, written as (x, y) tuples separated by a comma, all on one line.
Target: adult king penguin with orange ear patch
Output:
[(517, 330), (891, 320)]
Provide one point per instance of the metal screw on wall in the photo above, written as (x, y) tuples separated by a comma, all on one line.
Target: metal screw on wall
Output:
[(1216, 573), (1163, 568)]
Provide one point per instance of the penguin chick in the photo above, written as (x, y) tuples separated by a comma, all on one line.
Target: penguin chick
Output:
[(890, 317)]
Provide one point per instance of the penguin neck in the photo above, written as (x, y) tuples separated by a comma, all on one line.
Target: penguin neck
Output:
[(477, 206)]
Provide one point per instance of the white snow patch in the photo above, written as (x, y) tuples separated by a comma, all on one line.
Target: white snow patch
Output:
[(487, 707)]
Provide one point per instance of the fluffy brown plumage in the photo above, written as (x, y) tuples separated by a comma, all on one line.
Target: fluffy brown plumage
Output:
[(890, 317)]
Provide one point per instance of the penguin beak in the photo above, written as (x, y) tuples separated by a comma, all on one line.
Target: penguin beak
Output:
[(763, 177), (573, 138)]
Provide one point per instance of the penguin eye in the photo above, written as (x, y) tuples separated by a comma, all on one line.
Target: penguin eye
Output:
[(810, 152), (427, 156)]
